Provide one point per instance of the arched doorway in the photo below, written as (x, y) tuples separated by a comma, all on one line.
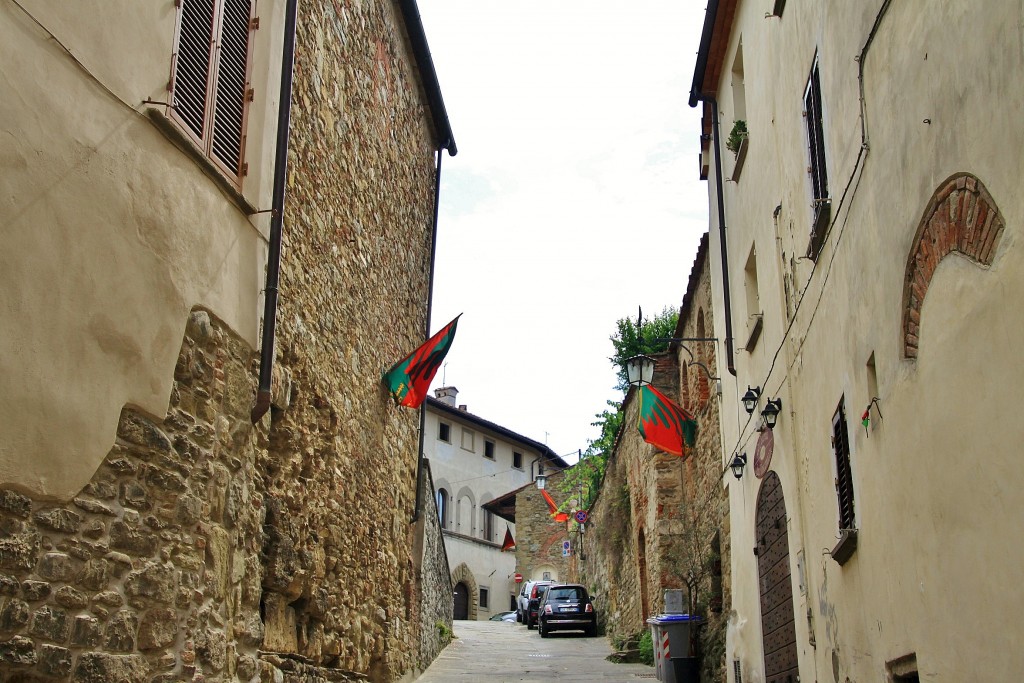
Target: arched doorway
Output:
[(461, 601), (778, 628)]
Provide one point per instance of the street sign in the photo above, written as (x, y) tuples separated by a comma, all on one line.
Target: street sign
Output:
[(518, 577), (565, 548), (582, 516)]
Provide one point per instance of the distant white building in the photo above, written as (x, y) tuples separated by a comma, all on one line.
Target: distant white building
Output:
[(474, 461)]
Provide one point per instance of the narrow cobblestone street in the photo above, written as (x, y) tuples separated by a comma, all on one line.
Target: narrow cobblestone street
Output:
[(495, 652)]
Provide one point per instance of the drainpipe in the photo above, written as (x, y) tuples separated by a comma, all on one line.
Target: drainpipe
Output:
[(430, 307), (730, 358), (277, 215), (697, 94)]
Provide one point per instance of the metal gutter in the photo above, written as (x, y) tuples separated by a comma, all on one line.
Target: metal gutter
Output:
[(270, 294), (425, 63)]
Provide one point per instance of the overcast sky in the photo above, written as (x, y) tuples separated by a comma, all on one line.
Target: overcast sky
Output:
[(573, 200)]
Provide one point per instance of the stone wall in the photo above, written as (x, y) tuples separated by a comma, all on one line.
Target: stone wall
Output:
[(609, 569), (705, 546), (539, 537), (152, 572), (435, 583), (340, 471)]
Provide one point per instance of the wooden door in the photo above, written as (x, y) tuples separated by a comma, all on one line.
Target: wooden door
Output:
[(778, 629), (461, 601)]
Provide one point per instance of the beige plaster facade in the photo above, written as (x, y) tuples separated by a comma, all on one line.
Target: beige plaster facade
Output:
[(113, 231), (910, 299)]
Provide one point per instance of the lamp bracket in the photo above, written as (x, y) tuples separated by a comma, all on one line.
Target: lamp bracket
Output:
[(679, 340)]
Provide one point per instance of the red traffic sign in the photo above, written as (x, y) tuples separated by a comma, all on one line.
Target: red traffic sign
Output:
[(518, 577), (582, 516)]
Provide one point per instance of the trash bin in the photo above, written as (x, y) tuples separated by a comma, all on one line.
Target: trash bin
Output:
[(670, 634)]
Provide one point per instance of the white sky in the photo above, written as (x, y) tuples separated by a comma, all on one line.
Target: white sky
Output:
[(574, 197)]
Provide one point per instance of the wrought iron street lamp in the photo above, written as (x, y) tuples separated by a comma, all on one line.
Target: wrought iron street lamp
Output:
[(770, 413), (750, 399), (739, 461)]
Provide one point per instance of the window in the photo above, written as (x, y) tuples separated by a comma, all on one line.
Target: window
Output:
[(488, 526), (209, 85), (517, 460), (444, 432), (484, 596), (442, 508), (844, 476), (754, 317), (468, 440), (488, 449), (813, 120)]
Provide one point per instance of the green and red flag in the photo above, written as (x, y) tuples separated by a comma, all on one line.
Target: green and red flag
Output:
[(663, 423), (553, 507), (409, 379)]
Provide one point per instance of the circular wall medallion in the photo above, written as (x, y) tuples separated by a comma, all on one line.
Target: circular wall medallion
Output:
[(763, 453)]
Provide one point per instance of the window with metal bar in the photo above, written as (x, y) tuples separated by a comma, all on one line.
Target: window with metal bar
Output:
[(209, 86), (844, 475)]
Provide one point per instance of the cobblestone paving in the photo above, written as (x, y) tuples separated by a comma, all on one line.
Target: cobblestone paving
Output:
[(496, 652)]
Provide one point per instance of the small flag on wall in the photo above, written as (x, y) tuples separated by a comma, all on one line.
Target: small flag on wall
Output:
[(409, 379), (509, 543), (664, 424), (558, 516)]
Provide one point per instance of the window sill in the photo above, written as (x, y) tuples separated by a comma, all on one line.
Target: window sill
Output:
[(845, 547), (170, 130), (756, 324), (741, 156), (819, 226)]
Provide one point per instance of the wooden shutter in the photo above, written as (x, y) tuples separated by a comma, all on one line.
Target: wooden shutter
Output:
[(191, 79), (844, 476), (230, 89), (209, 82), (816, 134)]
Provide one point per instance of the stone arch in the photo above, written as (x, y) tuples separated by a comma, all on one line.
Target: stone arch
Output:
[(703, 392), (463, 575), (961, 217)]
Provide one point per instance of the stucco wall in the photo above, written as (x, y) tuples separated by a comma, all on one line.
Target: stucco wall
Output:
[(112, 233), (930, 475)]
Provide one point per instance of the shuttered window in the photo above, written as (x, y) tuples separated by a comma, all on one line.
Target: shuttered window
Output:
[(844, 476), (209, 79)]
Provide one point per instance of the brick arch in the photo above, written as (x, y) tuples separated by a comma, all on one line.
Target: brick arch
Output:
[(462, 574), (961, 217)]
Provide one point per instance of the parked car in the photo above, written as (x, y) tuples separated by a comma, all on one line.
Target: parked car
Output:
[(533, 607), (509, 616), (566, 607), (527, 593)]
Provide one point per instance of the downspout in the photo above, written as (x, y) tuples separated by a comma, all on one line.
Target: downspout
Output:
[(697, 94), (729, 355), (430, 306), (277, 216)]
